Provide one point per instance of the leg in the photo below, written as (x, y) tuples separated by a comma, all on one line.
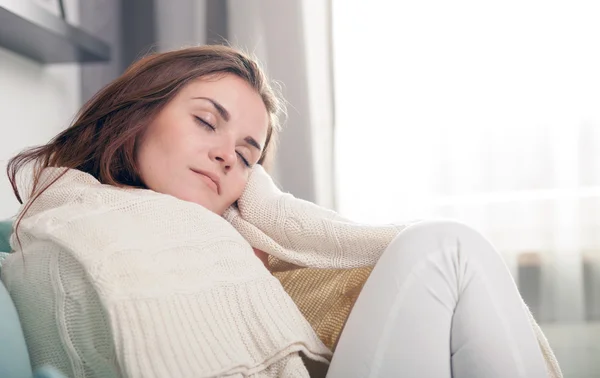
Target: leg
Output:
[(439, 303)]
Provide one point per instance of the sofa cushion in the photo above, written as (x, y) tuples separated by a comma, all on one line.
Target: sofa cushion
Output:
[(5, 231), (14, 358)]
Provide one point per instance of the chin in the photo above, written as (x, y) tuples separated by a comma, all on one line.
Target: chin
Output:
[(202, 201), (209, 206)]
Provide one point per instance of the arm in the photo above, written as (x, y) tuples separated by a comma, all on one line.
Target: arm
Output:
[(262, 256), (302, 232)]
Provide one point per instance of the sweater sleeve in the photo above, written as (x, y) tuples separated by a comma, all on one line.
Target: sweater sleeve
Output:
[(303, 233)]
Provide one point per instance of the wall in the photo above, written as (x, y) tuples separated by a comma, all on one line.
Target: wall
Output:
[(179, 23), (36, 101), (134, 28), (103, 20)]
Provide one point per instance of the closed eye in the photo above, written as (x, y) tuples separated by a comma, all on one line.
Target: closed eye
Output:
[(244, 160), (204, 123)]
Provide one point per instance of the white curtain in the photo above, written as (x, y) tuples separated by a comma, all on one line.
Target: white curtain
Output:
[(292, 39), (486, 112)]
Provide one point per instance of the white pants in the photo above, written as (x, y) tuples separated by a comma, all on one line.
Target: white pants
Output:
[(440, 303)]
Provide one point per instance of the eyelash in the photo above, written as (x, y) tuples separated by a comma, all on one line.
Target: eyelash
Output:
[(212, 128), (243, 160), (204, 123)]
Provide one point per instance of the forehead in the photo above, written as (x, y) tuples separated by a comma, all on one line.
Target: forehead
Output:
[(243, 103)]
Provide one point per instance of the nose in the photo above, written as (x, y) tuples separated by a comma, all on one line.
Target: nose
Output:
[(224, 155)]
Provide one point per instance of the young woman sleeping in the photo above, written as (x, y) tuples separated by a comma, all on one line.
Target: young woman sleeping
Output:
[(135, 250)]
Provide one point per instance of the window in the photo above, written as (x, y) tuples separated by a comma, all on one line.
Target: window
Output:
[(487, 112)]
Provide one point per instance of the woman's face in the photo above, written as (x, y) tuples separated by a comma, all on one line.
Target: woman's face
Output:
[(202, 145)]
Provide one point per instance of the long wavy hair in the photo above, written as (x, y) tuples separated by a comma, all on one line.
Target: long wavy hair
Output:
[(103, 138)]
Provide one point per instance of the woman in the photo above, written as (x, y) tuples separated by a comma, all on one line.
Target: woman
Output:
[(134, 249)]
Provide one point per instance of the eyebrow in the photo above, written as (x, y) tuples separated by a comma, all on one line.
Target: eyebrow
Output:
[(222, 111), (251, 141), (225, 115)]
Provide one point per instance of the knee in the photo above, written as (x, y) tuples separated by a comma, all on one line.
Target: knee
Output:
[(445, 227), (446, 237)]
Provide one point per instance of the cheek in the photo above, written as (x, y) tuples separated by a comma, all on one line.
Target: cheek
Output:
[(142, 158), (237, 186), (154, 156)]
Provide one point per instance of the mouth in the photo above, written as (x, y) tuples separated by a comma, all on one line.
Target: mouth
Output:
[(210, 179)]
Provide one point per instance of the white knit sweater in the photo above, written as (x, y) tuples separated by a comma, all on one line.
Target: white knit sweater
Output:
[(113, 282), (128, 282)]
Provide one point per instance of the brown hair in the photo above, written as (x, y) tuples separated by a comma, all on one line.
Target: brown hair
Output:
[(102, 140)]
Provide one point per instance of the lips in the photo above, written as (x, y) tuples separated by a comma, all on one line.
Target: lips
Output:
[(211, 179)]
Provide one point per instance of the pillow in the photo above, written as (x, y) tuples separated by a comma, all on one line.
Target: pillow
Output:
[(324, 296), (5, 231)]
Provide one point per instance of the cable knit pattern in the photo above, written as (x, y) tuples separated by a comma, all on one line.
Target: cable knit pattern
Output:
[(303, 233), (127, 282)]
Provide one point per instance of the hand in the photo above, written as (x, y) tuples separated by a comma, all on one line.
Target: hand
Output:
[(263, 256), (260, 196)]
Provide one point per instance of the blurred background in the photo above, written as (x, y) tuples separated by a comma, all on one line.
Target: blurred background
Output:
[(486, 112)]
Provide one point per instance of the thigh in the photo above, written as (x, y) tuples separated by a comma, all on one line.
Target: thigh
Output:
[(391, 330)]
